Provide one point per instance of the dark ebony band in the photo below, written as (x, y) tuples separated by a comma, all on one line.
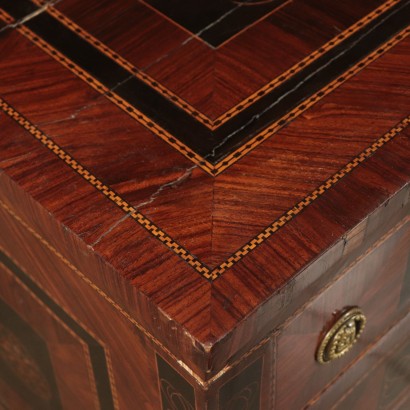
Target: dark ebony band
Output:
[(97, 353), (176, 392), (215, 21), (214, 145)]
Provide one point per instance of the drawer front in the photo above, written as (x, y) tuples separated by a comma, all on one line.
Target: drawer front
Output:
[(387, 386), (379, 380), (375, 283)]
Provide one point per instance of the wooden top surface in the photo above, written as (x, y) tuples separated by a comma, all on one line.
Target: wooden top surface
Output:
[(207, 152)]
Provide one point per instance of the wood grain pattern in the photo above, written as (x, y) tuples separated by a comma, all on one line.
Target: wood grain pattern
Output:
[(203, 191), (362, 384), (76, 385), (243, 223), (390, 379), (374, 284), (46, 269), (142, 98), (216, 70), (286, 26), (75, 388), (75, 220)]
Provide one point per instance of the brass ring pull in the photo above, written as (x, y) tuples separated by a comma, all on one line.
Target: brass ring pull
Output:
[(342, 336)]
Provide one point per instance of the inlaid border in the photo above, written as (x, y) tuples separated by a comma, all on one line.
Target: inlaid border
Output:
[(309, 199), (236, 18), (302, 107), (211, 167), (100, 292), (96, 353), (26, 361), (199, 380), (155, 231), (232, 112), (176, 393), (113, 97), (243, 390)]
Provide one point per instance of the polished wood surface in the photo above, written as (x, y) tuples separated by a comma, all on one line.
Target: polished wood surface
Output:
[(208, 171), (374, 283), (97, 310), (390, 380), (71, 350), (379, 380)]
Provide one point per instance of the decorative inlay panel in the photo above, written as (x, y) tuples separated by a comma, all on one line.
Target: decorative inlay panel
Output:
[(25, 359), (176, 392), (243, 391)]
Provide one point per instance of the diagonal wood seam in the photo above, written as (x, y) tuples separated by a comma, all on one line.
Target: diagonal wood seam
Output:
[(166, 239), (197, 34), (232, 112), (309, 102), (205, 384), (90, 283), (200, 267), (110, 95), (157, 232), (211, 169)]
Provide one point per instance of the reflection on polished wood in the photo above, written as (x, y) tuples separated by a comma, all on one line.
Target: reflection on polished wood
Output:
[(199, 191)]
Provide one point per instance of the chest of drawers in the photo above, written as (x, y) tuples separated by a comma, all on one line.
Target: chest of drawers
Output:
[(204, 205)]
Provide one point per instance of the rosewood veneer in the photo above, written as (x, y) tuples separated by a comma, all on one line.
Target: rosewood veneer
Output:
[(204, 204)]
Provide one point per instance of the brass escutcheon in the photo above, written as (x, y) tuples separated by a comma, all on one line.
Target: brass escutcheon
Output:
[(342, 336)]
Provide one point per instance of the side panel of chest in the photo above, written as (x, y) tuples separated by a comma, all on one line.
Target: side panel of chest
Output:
[(375, 286), (95, 353)]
